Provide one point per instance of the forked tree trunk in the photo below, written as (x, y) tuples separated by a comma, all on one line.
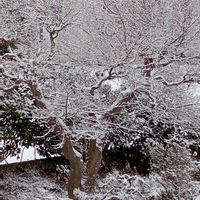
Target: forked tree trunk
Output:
[(76, 168), (94, 157)]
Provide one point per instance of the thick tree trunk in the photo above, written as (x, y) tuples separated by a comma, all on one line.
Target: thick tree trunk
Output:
[(94, 160), (76, 168)]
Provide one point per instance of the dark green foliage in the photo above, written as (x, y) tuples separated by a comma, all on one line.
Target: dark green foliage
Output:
[(5, 44), (120, 153), (126, 147), (17, 131), (18, 128), (195, 150), (69, 122)]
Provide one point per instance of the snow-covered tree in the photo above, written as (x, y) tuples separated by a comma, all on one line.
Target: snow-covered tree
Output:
[(149, 48)]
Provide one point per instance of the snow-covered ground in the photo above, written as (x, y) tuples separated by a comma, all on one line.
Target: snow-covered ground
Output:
[(31, 185)]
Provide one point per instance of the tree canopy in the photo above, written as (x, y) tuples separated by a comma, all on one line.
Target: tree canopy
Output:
[(112, 73)]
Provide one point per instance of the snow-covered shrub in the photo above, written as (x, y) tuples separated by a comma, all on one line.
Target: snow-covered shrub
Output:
[(129, 158), (174, 164)]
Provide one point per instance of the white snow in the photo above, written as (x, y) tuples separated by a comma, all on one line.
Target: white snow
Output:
[(115, 84), (25, 155), (198, 198), (30, 186)]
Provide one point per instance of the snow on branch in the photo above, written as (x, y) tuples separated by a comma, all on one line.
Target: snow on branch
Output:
[(187, 78)]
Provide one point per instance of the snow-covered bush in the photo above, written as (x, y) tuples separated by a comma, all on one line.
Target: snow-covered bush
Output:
[(174, 164)]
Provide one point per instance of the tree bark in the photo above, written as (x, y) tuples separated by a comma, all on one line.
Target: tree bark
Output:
[(149, 66), (76, 168), (94, 160)]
